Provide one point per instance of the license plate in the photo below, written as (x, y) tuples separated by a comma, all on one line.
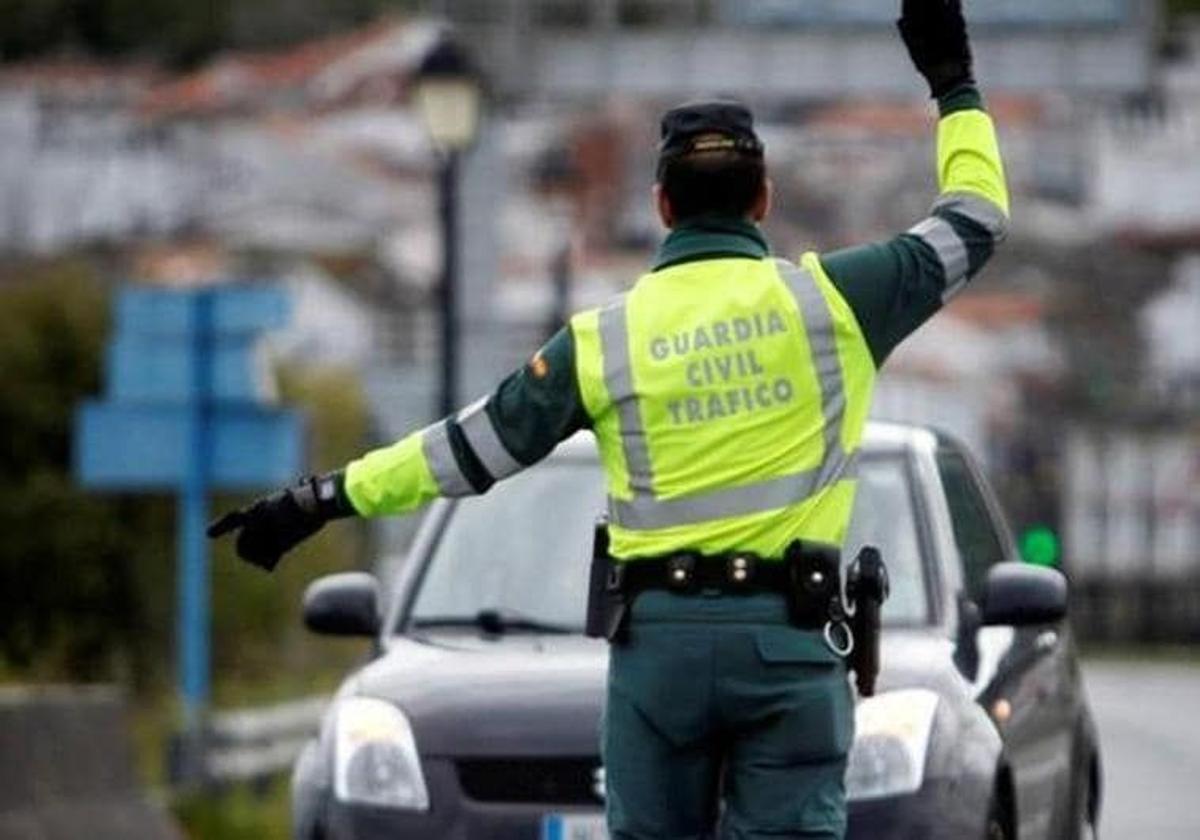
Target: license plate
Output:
[(574, 827)]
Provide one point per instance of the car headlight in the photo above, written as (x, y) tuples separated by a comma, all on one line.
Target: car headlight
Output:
[(892, 740), (375, 757)]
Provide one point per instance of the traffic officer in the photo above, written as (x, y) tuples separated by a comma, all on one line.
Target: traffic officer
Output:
[(728, 393)]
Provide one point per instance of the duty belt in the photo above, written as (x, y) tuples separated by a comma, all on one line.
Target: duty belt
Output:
[(808, 577), (689, 572)]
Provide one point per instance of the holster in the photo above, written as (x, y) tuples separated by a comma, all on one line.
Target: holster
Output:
[(608, 604), (866, 588)]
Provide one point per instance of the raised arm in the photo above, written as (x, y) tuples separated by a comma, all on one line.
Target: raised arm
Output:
[(895, 286), (462, 455)]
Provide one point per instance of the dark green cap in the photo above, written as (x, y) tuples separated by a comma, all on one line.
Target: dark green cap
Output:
[(708, 127)]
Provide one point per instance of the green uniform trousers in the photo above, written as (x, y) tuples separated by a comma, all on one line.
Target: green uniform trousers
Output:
[(722, 717)]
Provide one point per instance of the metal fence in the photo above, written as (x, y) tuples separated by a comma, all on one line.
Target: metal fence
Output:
[(244, 745), (641, 13), (1131, 509), (257, 743)]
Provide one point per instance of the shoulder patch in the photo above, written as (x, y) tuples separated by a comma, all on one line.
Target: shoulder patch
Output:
[(538, 366)]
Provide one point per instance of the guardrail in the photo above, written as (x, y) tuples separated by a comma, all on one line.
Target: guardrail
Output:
[(248, 744)]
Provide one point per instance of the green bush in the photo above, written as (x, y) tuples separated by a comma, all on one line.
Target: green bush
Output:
[(243, 812), (174, 31), (81, 576), (87, 579)]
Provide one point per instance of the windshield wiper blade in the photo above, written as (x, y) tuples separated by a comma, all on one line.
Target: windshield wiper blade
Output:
[(496, 622)]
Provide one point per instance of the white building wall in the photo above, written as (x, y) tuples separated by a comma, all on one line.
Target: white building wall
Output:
[(1131, 505)]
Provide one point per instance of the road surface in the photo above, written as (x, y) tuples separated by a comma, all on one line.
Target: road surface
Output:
[(1149, 719)]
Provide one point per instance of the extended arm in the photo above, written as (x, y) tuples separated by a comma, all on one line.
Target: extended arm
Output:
[(895, 286), (515, 427), (519, 424)]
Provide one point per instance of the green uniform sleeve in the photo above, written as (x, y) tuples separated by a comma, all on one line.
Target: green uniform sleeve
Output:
[(539, 406), (893, 287), (463, 455)]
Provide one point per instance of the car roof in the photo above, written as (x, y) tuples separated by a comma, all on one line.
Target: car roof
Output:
[(880, 437)]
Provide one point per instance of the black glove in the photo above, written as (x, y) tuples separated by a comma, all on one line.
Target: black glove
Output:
[(935, 33), (273, 525)]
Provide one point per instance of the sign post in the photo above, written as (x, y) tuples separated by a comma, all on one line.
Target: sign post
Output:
[(186, 411)]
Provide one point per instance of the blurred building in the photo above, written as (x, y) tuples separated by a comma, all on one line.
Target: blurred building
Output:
[(793, 48), (307, 164)]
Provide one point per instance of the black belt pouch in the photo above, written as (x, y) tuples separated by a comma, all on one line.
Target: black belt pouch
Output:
[(814, 583)]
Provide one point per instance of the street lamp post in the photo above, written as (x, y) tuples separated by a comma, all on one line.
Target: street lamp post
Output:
[(449, 94), (448, 288)]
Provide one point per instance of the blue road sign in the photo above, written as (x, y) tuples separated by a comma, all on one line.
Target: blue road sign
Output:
[(248, 309), (147, 368), (184, 411), (145, 447)]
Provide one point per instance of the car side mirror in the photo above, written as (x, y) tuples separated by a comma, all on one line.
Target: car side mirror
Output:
[(345, 604), (1019, 595)]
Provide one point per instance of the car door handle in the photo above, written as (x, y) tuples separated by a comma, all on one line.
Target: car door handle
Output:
[(1046, 641)]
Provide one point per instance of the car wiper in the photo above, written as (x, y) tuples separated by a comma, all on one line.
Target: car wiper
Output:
[(496, 622)]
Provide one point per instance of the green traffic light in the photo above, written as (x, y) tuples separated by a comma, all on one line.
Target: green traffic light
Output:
[(1040, 546)]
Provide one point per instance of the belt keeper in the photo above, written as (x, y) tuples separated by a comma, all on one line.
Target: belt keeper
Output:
[(740, 570), (681, 572)]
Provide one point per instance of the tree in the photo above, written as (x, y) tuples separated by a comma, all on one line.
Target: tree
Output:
[(73, 567), (87, 580), (172, 31)]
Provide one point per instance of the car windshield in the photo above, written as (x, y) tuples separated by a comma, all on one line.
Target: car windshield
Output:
[(520, 554)]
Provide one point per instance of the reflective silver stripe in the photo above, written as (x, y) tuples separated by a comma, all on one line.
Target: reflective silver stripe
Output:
[(645, 512), (435, 443), (951, 251), (939, 235), (978, 209), (477, 427), (822, 345), (618, 378)]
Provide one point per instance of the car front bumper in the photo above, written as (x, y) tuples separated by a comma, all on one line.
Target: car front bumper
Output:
[(453, 816), (942, 810)]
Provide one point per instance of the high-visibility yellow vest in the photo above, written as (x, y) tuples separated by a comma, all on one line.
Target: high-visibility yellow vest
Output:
[(729, 399)]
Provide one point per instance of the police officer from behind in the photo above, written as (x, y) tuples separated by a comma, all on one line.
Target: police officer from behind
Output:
[(728, 393)]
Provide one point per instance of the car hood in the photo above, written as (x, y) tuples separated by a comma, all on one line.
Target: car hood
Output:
[(515, 694), (523, 694)]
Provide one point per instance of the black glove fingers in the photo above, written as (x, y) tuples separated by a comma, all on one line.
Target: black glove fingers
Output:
[(270, 527), (228, 522)]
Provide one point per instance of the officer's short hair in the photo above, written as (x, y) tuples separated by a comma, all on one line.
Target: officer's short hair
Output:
[(721, 181)]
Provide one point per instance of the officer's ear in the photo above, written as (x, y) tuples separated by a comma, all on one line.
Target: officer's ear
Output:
[(663, 205), (762, 205)]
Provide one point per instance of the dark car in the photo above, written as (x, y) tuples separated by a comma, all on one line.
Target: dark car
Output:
[(478, 716)]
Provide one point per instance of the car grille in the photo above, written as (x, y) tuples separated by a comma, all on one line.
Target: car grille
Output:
[(551, 781)]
